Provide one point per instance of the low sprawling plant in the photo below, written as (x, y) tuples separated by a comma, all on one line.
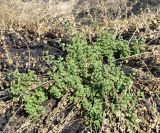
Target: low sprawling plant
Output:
[(90, 72), (23, 85), (33, 103)]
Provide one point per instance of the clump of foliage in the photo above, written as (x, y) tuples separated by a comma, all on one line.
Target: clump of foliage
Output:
[(21, 82), (90, 72), (33, 103), (21, 86)]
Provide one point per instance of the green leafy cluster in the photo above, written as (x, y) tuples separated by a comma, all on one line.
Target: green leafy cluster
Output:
[(93, 80), (33, 103), (21, 86), (21, 82), (90, 72)]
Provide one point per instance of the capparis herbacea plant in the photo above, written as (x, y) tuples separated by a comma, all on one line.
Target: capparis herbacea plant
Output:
[(90, 72)]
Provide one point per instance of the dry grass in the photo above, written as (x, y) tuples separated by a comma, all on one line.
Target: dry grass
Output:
[(31, 13), (34, 13)]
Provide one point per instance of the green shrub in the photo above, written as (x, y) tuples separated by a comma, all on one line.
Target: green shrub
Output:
[(22, 82), (93, 80), (90, 72), (33, 103), (21, 86)]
